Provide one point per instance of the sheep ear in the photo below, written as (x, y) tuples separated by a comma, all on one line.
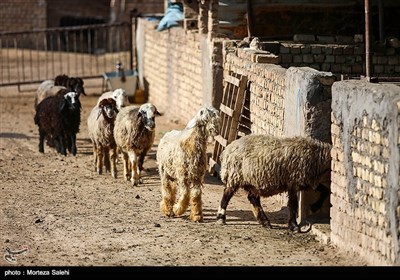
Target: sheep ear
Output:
[(192, 123), (157, 113), (99, 113)]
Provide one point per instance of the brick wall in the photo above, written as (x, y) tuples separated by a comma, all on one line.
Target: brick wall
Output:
[(172, 70), (22, 15), (338, 58), (365, 195), (265, 94)]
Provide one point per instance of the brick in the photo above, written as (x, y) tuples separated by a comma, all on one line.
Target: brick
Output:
[(267, 58), (326, 39), (303, 38)]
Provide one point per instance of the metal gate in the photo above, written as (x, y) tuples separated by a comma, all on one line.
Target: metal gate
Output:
[(29, 57)]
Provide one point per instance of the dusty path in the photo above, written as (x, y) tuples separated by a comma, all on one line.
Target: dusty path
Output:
[(68, 215)]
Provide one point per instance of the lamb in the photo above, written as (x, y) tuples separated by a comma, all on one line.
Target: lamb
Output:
[(119, 95), (134, 134), (51, 88), (265, 166), (58, 118), (100, 128), (182, 164)]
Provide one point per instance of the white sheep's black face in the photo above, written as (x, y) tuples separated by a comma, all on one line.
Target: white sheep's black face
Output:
[(120, 97), (110, 111), (72, 99), (148, 112)]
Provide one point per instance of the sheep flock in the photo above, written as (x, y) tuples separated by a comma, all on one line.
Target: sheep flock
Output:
[(261, 165)]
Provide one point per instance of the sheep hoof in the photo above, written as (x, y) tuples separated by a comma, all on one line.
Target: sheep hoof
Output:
[(99, 171), (135, 183), (294, 228), (265, 224), (114, 175), (196, 218), (221, 222)]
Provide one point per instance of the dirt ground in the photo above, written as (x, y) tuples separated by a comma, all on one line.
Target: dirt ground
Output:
[(67, 215)]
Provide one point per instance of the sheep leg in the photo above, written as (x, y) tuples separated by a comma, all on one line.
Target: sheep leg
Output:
[(183, 201), (141, 160), (293, 206), (324, 193), (95, 157), (127, 166), (72, 144), (100, 156), (42, 135), (112, 153), (196, 213), (258, 212), (168, 196), (135, 174), (226, 197), (107, 163), (60, 142)]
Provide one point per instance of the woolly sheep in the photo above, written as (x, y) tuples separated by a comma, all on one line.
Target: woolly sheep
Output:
[(265, 166), (119, 95), (134, 134), (58, 118), (100, 125), (182, 164)]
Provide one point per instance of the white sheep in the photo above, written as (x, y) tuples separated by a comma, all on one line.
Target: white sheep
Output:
[(46, 88), (134, 134), (119, 95), (52, 87), (264, 166), (100, 125), (182, 164)]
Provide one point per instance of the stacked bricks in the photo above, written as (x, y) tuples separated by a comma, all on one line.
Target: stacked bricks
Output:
[(365, 185), (267, 87), (172, 68), (347, 59)]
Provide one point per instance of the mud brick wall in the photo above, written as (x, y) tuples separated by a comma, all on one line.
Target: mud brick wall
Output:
[(172, 70), (22, 15), (265, 92), (338, 58), (365, 195)]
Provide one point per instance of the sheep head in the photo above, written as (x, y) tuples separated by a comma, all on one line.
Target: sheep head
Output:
[(109, 107), (208, 118), (148, 112), (120, 97), (71, 100), (76, 84)]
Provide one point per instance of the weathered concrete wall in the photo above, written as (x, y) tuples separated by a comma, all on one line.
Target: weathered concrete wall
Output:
[(365, 198), (308, 103)]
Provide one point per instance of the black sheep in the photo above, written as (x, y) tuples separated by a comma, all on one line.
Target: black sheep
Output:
[(58, 118), (71, 83)]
